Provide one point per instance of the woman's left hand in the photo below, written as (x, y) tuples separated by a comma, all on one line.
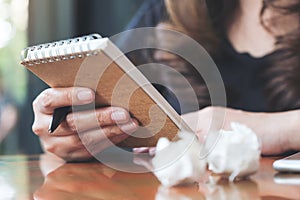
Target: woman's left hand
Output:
[(277, 131)]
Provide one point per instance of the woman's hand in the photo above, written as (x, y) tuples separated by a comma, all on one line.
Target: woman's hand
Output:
[(278, 132), (81, 130)]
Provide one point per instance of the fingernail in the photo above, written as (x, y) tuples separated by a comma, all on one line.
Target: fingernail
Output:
[(140, 149), (84, 95), (118, 116), (129, 128), (152, 151)]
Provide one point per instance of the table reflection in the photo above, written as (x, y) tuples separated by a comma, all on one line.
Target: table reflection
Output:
[(93, 181), (47, 177), (97, 181), (76, 181)]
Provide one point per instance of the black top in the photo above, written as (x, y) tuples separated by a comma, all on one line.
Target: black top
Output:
[(243, 75), (244, 78)]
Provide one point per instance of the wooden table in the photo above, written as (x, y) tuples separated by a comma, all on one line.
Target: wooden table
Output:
[(47, 177)]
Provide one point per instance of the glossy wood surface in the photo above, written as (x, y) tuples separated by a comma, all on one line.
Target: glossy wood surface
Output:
[(49, 178)]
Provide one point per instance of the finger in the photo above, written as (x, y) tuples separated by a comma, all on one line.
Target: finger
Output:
[(62, 147), (119, 138), (70, 148), (141, 150), (77, 147), (94, 142), (87, 120), (150, 150), (97, 147), (62, 130), (53, 98), (93, 137), (41, 125), (129, 127), (68, 127)]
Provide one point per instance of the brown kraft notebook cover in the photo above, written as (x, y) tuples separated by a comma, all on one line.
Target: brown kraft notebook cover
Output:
[(96, 63)]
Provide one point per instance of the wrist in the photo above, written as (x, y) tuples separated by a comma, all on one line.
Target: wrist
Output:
[(278, 131), (293, 125)]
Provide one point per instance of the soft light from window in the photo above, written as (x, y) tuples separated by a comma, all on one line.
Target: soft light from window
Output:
[(7, 32), (12, 16), (19, 13), (7, 191)]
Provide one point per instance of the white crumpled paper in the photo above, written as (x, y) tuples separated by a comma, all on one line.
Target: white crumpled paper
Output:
[(236, 153), (177, 163)]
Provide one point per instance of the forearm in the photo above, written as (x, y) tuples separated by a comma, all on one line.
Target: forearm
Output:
[(279, 132)]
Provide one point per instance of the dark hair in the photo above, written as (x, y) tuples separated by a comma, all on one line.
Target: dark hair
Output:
[(283, 88), (209, 18), (192, 18)]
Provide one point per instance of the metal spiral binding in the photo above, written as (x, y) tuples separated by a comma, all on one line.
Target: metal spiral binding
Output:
[(60, 50)]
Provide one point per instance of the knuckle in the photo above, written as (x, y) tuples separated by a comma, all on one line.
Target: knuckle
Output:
[(101, 117), (55, 150), (70, 120), (37, 129), (45, 98), (109, 131), (66, 152), (35, 103), (50, 147), (112, 131), (68, 94)]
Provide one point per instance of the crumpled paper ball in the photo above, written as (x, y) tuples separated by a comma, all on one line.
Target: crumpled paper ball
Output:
[(233, 154), (178, 162), (236, 153)]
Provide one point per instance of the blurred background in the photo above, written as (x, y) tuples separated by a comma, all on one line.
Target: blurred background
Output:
[(28, 22)]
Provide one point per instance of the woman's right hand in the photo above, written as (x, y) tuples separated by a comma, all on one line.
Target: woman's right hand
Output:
[(81, 130)]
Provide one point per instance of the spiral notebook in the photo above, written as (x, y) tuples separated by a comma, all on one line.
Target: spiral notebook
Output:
[(95, 62)]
